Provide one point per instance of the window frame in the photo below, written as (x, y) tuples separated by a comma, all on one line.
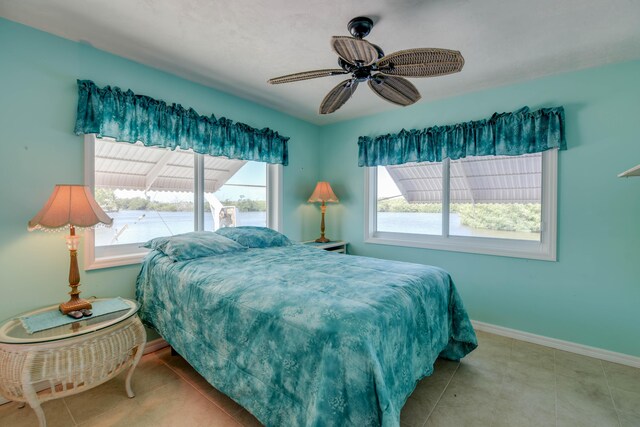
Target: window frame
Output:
[(131, 253), (544, 250)]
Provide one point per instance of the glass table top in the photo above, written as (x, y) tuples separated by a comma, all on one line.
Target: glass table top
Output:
[(13, 332)]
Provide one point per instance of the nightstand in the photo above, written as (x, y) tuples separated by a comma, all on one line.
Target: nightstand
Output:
[(68, 359), (339, 246)]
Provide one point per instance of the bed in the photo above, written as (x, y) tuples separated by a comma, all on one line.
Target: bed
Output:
[(304, 337)]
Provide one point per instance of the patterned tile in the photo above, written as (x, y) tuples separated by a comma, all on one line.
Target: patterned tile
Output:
[(470, 398), (174, 404), (629, 420), (150, 374), (584, 401), (184, 370), (571, 416), (532, 355), (570, 364), (623, 377), (626, 401), (522, 405), (427, 393), (55, 412)]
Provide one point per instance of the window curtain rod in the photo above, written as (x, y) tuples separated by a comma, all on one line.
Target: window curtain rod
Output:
[(125, 116), (505, 134)]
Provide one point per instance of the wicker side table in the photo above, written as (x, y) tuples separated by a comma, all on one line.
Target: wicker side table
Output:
[(69, 359)]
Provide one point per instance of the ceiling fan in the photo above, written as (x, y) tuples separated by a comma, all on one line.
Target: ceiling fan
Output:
[(366, 62)]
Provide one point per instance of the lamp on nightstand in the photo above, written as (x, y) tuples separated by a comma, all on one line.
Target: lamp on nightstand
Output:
[(323, 193), (71, 206)]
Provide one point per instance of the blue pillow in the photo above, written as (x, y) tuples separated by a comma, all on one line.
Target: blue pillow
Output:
[(197, 244), (255, 237), (156, 243)]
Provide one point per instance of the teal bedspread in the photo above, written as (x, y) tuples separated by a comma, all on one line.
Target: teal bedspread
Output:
[(304, 337)]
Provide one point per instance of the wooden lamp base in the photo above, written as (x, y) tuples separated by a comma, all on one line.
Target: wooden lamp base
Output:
[(322, 239), (75, 303)]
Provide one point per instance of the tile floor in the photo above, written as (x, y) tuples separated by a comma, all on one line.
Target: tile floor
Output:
[(504, 382)]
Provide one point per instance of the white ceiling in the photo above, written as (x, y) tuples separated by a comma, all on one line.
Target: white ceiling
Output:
[(236, 45)]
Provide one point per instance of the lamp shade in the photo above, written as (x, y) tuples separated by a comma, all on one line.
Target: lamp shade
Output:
[(323, 193), (69, 205)]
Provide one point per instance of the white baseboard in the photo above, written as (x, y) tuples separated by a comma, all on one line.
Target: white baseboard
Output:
[(150, 347), (583, 350)]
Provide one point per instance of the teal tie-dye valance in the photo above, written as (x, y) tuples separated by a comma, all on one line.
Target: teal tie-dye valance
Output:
[(506, 134), (125, 116)]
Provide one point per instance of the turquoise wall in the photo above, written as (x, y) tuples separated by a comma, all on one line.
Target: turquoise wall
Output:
[(591, 295), (38, 98)]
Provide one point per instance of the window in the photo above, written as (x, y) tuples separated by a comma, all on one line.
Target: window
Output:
[(498, 205), (151, 192)]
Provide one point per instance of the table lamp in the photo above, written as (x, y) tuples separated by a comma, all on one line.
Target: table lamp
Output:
[(71, 206), (323, 193)]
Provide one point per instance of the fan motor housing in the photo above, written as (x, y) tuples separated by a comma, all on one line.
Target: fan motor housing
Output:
[(362, 74), (360, 27)]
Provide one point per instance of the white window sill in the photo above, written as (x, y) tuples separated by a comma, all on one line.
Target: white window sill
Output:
[(114, 261), (474, 245)]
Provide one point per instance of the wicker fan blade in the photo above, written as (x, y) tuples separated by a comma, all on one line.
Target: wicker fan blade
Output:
[(354, 51), (306, 75), (425, 62), (394, 89), (338, 96)]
